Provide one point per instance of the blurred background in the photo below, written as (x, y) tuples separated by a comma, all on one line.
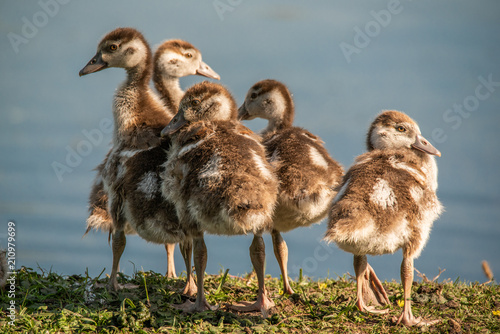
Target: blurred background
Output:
[(344, 63)]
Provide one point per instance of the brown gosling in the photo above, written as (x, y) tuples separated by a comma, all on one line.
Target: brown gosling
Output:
[(172, 60), (130, 172), (387, 201), (218, 177), (307, 173)]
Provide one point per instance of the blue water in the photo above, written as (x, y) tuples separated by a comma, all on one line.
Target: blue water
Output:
[(424, 59)]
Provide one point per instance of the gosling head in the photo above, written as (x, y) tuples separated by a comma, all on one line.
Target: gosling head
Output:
[(205, 101), (123, 47), (395, 130), (178, 58), (271, 100)]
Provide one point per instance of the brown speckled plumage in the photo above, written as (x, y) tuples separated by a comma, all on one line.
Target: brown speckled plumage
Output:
[(130, 174), (307, 173), (387, 201), (218, 177), (217, 171), (388, 197), (166, 74), (400, 216), (141, 131), (218, 181)]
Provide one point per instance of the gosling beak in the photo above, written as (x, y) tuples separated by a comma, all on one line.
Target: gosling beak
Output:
[(423, 145), (207, 71), (175, 124), (94, 65), (243, 113)]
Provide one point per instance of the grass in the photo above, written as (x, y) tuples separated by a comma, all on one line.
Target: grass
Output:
[(47, 302)]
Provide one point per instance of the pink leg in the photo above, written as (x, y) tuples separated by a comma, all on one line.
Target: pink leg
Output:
[(258, 257), (407, 317), (200, 263), (118, 245), (186, 248), (369, 287), (281, 253), (170, 261)]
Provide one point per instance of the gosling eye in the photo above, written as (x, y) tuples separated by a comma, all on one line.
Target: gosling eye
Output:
[(253, 96), (113, 47), (401, 128), (188, 55), (195, 103)]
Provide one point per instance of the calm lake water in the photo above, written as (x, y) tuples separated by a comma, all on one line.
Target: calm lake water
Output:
[(344, 63)]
